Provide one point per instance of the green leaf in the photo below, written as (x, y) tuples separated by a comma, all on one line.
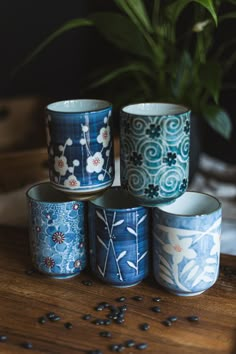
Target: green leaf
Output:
[(156, 13), (121, 32), (136, 11), (72, 24), (183, 75), (114, 74), (176, 8), (218, 119), (211, 77)]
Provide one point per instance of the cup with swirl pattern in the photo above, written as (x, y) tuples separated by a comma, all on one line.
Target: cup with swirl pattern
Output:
[(154, 151)]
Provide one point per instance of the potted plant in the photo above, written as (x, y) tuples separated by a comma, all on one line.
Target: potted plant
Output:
[(166, 52)]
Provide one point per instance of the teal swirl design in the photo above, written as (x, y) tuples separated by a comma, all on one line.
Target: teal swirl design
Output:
[(154, 154)]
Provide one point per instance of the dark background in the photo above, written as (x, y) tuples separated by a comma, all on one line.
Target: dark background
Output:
[(60, 71)]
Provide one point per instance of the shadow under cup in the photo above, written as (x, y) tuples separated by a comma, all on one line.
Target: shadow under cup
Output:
[(186, 243), (56, 232), (118, 238), (154, 151)]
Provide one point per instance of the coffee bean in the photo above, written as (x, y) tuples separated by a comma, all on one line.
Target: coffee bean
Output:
[(193, 318), (98, 322), (141, 346), (55, 318), (130, 343), (167, 323), (144, 326), (51, 315), (156, 299), (121, 299), (107, 322), (3, 338), (87, 282), (99, 307), (87, 317), (137, 298), (42, 319), (96, 351), (68, 325), (105, 334), (123, 308), (172, 318), (156, 309), (120, 320), (27, 345)]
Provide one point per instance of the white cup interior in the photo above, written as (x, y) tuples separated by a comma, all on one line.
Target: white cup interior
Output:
[(115, 198), (192, 204), (155, 109), (78, 106), (44, 192)]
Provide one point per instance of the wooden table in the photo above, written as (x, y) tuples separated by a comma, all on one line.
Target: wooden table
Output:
[(25, 296)]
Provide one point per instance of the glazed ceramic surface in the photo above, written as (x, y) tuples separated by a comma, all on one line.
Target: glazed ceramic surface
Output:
[(57, 232), (186, 243), (154, 151), (80, 146), (118, 237)]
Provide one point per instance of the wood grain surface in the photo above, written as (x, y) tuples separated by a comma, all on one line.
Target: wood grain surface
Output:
[(26, 297)]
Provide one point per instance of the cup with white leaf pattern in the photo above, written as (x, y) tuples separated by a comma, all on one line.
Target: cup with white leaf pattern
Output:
[(80, 146), (186, 243), (118, 238)]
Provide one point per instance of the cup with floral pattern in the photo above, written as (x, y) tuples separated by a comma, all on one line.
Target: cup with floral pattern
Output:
[(154, 151), (80, 146), (56, 232), (186, 243), (118, 238)]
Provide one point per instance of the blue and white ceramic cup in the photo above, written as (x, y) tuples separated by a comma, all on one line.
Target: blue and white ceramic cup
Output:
[(154, 151), (56, 232), (186, 243), (119, 238), (80, 146)]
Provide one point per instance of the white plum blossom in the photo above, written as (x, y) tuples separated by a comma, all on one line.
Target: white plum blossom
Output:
[(60, 147), (100, 177), (104, 136), (82, 141), (216, 248), (179, 248), (72, 182), (95, 163), (105, 120), (75, 162), (69, 142), (85, 128), (60, 165)]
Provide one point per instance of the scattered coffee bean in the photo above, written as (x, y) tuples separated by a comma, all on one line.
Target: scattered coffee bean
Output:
[(123, 308), (137, 298), (130, 343), (87, 317), (193, 318), (68, 325), (104, 304), (50, 315), (172, 318), (27, 345), (98, 322), (3, 338), (99, 307), (156, 299), (141, 346), (105, 334), (55, 318), (167, 323), (95, 351), (87, 282), (144, 326), (42, 319), (121, 299), (120, 320), (156, 309), (107, 322)]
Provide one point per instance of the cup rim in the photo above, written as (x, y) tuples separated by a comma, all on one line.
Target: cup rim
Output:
[(184, 109), (185, 215), (105, 105), (64, 198)]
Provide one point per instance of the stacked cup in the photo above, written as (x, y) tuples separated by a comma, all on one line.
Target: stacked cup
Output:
[(154, 166)]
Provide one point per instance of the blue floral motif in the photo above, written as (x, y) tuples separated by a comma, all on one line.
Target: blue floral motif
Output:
[(184, 185), (187, 127), (152, 191), (170, 159), (153, 131), (136, 158)]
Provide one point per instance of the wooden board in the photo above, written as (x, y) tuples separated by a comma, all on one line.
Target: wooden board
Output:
[(24, 298)]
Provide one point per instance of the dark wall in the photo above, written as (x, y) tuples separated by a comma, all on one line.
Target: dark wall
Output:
[(61, 68)]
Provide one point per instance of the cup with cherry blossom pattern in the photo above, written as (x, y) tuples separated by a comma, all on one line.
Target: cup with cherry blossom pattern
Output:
[(186, 243), (80, 146), (57, 232)]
